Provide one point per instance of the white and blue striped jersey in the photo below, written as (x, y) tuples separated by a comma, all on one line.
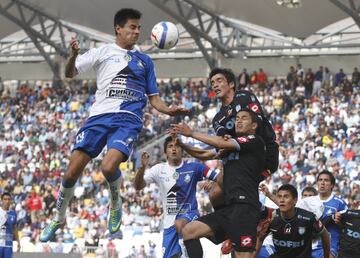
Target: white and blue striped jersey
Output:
[(332, 205), (178, 186), (124, 79)]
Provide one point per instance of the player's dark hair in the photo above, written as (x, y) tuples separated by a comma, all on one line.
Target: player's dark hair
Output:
[(228, 74), (309, 189), (166, 142), (290, 188), (253, 115), (327, 172), (5, 194), (123, 15)]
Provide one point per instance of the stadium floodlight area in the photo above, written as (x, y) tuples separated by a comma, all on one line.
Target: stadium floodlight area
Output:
[(204, 34)]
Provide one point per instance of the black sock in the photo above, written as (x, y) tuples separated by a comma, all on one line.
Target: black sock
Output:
[(194, 248)]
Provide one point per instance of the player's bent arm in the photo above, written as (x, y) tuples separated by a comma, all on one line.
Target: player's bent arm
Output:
[(139, 182), (70, 69), (325, 243), (197, 152), (215, 141)]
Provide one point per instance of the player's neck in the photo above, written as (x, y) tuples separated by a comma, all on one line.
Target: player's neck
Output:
[(123, 45), (288, 214), (324, 196), (228, 98), (174, 162)]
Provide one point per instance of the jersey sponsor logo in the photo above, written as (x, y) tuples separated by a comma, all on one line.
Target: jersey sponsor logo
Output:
[(246, 241), (301, 230), (352, 233), (304, 218), (254, 107), (251, 136), (243, 139), (289, 244), (125, 94), (119, 80)]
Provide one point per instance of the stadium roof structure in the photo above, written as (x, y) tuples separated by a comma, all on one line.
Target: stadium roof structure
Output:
[(246, 28)]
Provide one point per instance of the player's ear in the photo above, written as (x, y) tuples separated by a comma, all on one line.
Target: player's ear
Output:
[(117, 29), (232, 85)]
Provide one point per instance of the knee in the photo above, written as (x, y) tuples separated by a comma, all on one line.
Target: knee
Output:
[(107, 168), (71, 176)]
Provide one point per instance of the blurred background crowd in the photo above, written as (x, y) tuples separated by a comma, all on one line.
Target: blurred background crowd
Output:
[(315, 114)]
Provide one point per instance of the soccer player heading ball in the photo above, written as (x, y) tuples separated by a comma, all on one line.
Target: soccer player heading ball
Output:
[(125, 82)]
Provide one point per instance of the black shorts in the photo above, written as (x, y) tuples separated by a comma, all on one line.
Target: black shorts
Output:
[(237, 222), (272, 156)]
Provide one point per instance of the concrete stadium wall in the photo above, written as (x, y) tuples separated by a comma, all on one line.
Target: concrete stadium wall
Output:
[(45, 255), (198, 67)]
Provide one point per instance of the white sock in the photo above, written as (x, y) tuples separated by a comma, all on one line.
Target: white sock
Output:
[(115, 199), (183, 249), (62, 202)]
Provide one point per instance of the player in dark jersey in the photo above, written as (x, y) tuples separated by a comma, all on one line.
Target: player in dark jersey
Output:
[(223, 84), (243, 166), (350, 233), (293, 228)]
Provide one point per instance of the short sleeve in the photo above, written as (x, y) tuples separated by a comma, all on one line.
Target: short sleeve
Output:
[(150, 175), (151, 86), (87, 61), (205, 172), (248, 143)]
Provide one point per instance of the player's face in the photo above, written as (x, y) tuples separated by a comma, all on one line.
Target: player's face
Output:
[(286, 200), (6, 202), (129, 34), (173, 151), (307, 194), (324, 184), (243, 123), (220, 85)]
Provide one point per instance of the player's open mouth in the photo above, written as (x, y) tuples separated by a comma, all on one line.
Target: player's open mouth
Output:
[(217, 92)]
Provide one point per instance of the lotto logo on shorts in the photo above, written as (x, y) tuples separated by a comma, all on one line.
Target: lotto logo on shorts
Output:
[(246, 241)]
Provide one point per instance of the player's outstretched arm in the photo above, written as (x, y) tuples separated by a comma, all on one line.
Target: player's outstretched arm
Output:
[(196, 152), (160, 106), (139, 182), (70, 69), (265, 190), (215, 141)]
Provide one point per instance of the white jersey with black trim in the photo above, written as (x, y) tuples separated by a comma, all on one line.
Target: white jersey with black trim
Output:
[(124, 79), (178, 186)]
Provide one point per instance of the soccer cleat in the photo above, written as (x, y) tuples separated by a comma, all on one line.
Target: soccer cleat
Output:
[(48, 232), (115, 220), (226, 247)]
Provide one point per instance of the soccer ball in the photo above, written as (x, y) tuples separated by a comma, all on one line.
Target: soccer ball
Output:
[(164, 35)]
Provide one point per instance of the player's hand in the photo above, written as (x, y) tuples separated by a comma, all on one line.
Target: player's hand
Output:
[(221, 153), (206, 185), (182, 129), (337, 218), (145, 157), (177, 111), (227, 137), (264, 189), (74, 44)]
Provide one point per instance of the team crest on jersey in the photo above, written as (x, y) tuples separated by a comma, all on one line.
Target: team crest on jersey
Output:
[(127, 58), (243, 139), (301, 230), (187, 178), (238, 108), (176, 175)]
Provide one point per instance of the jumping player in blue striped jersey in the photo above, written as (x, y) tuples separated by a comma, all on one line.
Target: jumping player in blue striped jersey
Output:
[(332, 204), (8, 227), (125, 82), (177, 181)]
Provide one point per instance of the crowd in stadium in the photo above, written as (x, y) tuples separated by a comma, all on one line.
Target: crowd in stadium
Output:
[(315, 115)]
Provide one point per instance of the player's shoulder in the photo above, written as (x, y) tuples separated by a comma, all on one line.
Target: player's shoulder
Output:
[(159, 166), (249, 137), (303, 214), (144, 57), (242, 93), (338, 199)]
